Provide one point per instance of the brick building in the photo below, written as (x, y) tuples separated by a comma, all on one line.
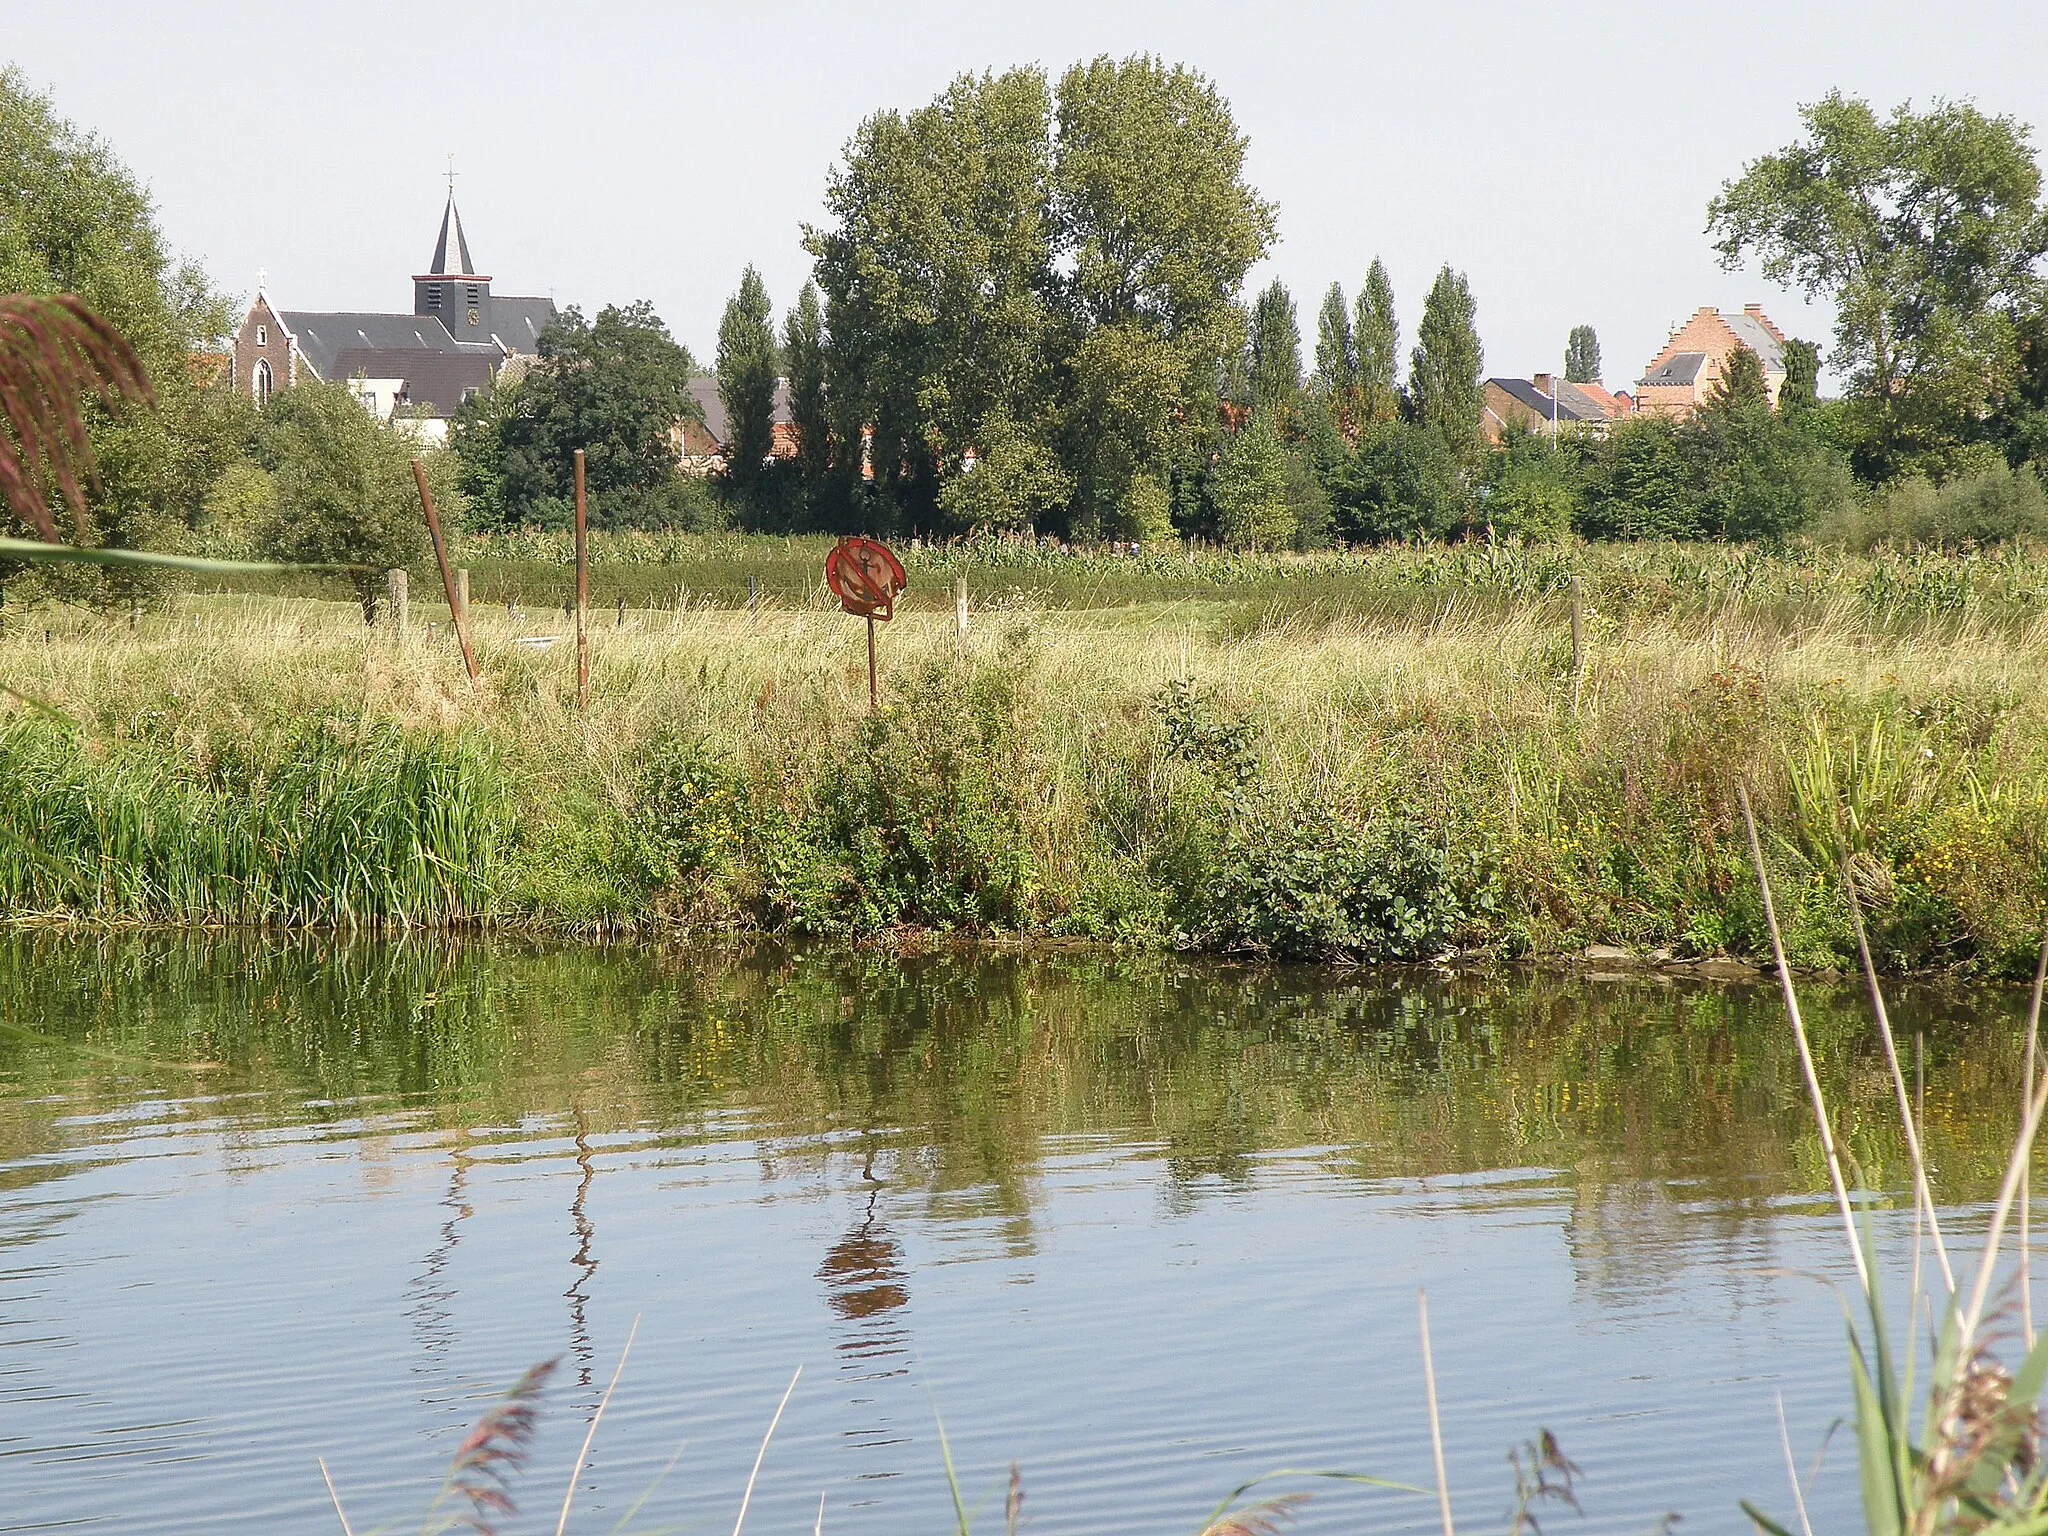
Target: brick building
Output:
[(421, 365), (1682, 377), (1535, 403)]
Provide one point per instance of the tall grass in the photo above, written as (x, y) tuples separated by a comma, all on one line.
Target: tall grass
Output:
[(1396, 777)]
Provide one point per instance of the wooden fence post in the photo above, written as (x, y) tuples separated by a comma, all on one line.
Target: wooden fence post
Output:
[(458, 604), (400, 601), (582, 593), (462, 591)]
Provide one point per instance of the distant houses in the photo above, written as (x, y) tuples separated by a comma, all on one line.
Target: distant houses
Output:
[(702, 446), (1682, 377), (1543, 401), (416, 367)]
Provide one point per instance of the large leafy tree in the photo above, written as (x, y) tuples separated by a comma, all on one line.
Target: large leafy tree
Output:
[(937, 270), (1160, 226), (1020, 272), (74, 220), (1443, 375), (615, 387), (1377, 337), (1925, 231), (748, 367), (803, 354), (1254, 508), (1582, 356), (1275, 360)]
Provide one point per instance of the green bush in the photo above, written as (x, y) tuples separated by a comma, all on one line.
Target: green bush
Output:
[(1994, 506)]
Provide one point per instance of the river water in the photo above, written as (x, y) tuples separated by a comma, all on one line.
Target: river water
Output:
[(1144, 1229)]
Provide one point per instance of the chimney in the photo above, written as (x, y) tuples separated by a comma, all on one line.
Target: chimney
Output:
[(1543, 384), (1754, 309)]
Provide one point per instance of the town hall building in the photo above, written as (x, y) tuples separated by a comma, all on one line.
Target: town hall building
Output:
[(419, 367)]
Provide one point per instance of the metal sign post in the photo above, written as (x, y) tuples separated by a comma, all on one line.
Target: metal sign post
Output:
[(867, 579)]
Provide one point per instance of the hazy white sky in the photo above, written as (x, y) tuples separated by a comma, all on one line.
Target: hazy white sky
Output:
[(1560, 154)]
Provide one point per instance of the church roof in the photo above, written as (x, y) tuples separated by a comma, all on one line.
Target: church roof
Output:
[(517, 322), (438, 380), (451, 220), (323, 337)]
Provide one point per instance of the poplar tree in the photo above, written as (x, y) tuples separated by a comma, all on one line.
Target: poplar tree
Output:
[(1377, 340), (803, 353), (1582, 356), (1443, 376), (746, 380), (1275, 349), (1336, 375)]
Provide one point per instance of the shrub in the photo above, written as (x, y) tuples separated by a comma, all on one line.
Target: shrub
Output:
[(1994, 506)]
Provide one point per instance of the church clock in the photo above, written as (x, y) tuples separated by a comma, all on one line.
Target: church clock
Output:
[(475, 318)]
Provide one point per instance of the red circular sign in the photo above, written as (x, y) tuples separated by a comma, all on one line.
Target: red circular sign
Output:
[(865, 577)]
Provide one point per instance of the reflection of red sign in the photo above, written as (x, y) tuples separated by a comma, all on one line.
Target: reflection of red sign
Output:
[(865, 577)]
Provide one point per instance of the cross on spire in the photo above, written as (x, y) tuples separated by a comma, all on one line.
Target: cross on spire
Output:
[(262, 278), (452, 174)]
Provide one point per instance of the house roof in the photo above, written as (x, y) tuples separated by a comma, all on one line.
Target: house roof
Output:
[(324, 335), (436, 380), (704, 390), (1754, 334), (1571, 405), (1595, 396), (1683, 368)]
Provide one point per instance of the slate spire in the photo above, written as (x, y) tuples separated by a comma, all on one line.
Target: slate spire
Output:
[(451, 221)]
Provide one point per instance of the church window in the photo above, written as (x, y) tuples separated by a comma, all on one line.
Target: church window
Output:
[(259, 381), (262, 335), (433, 295), (475, 295)]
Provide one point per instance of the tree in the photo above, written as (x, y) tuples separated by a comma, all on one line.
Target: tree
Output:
[(1254, 509), (1582, 356), (1925, 231), (1015, 481), (1443, 375), (1150, 200), (73, 220), (1335, 381), (937, 270), (344, 487), (1378, 340), (1800, 390), (615, 387), (1742, 385), (1402, 482), (1275, 360), (747, 371), (803, 352)]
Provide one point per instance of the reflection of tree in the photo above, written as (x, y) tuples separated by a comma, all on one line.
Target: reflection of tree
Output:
[(863, 1271), (432, 1310), (978, 1067)]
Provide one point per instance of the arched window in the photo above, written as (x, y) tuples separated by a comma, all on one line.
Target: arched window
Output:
[(259, 381)]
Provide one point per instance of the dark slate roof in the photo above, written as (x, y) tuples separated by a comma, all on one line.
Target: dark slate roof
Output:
[(324, 336), (1570, 406), (704, 390), (518, 322), (1683, 368), (450, 219), (437, 380)]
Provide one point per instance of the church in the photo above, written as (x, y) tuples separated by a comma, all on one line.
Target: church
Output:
[(418, 367)]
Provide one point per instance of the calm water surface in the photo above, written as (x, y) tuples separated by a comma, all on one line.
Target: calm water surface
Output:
[(1144, 1229)]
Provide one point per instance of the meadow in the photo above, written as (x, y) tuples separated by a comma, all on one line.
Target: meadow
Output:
[(1387, 755)]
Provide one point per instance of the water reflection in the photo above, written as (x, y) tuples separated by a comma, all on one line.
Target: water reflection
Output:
[(1122, 1215)]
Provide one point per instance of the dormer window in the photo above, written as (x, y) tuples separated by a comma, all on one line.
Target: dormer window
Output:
[(262, 335)]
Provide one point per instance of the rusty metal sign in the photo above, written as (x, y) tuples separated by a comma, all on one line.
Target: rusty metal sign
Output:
[(866, 578)]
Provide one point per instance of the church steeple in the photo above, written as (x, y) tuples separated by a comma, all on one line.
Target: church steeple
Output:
[(456, 294), (451, 220)]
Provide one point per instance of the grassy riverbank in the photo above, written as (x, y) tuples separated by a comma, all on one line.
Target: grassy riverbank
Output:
[(1378, 758)]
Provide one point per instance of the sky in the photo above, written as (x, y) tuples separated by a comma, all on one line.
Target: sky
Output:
[(1562, 156)]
